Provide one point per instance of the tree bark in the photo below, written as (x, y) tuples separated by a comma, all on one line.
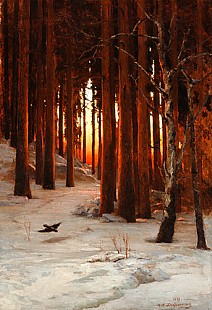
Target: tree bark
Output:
[(15, 74), (84, 128), (40, 98), (99, 139), (70, 123), (126, 203), (22, 185), (49, 159), (174, 60), (93, 164), (200, 62), (61, 118), (158, 183), (143, 119), (201, 242), (5, 80), (108, 111), (166, 230), (32, 68)]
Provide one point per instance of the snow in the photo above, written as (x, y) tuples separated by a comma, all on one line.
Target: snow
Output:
[(79, 267)]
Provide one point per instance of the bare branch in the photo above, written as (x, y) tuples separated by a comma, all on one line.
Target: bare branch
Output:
[(152, 81), (182, 49), (184, 60)]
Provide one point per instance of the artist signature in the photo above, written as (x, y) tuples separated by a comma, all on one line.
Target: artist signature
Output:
[(176, 303)]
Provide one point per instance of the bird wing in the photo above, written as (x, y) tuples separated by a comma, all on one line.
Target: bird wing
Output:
[(55, 226), (47, 229), (47, 226)]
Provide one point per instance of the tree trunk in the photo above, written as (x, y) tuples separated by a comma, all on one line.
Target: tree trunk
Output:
[(156, 136), (143, 119), (93, 165), (1, 84), (39, 98), (201, 242), (61, 118), (15, 74), (135, 159), (5, 80), (174, 60), (166, 230), (108, 112), (70, 125), (200, 62), (126, 204), (49, 160), (32, 68), (22, 185), (100, 141), (158, 183), (84, 128)]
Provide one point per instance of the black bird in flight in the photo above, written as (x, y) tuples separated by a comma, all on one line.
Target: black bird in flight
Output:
[(50, 228)]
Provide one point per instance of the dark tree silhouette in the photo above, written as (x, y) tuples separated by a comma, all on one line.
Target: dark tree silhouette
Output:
[(69, 118), (40, 97), (61, 114), (49, 158), (108, 110), (5, 81), (143, 117), (126, 206), (22, 186), (15, 74)]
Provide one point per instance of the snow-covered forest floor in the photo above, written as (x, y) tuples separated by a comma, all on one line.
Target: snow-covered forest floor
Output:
[(79, 266)]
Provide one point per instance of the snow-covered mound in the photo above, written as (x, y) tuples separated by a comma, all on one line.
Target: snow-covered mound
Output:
[(7, 164), (7, 161)]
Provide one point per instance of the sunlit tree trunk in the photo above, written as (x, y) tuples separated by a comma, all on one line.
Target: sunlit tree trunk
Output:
[(79, 141), (22, 185), (126, 204), (84, 128), (143, 118), (49, 159), (158, 183), (39, 98), (32, 69), (5, 80), (61, 114), (1, 86), (93, 164), (108, 111), (135, 158), (164, 157), (14, 93), (70, 121), (100, 141)]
